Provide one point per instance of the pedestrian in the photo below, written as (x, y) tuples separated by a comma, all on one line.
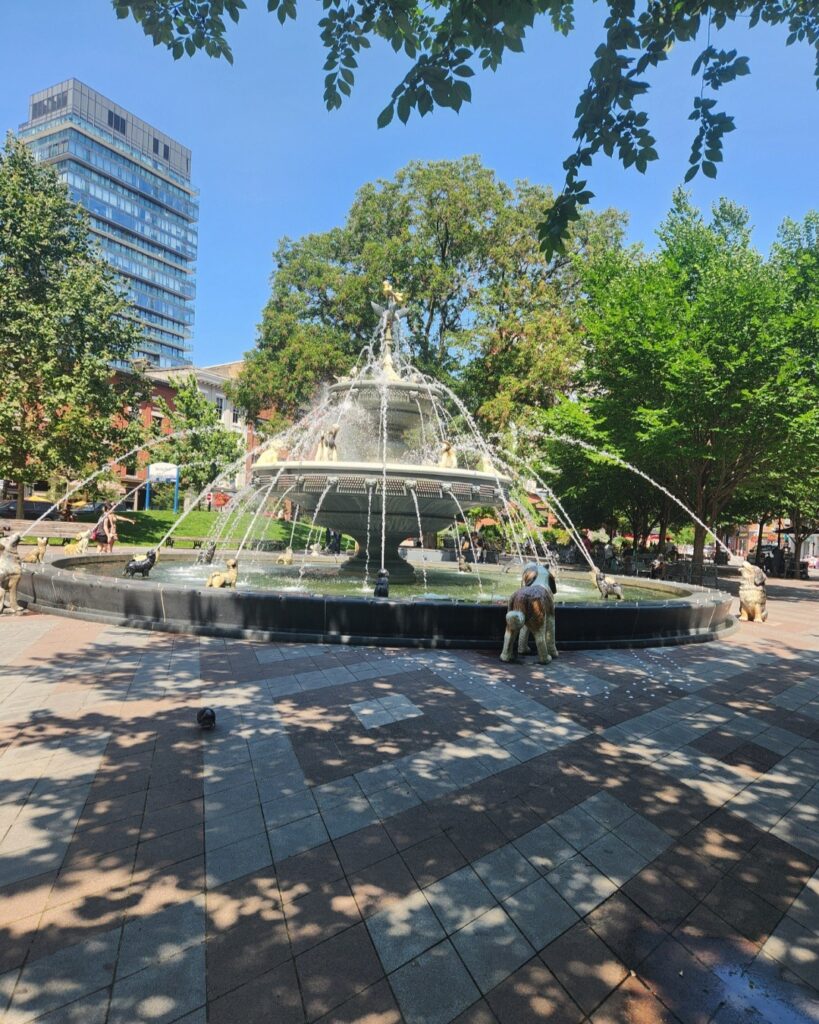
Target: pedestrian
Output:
[(109, 526)]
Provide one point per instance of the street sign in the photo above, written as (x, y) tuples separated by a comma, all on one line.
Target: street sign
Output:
[(163, 471)]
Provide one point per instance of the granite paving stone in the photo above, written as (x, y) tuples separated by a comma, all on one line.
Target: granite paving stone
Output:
[(504, 871), (540, 913), (580, 884), (491, 947), (459, 898), (434, 987)]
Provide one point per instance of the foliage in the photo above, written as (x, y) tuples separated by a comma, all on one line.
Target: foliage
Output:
[(447, 40), (693, 366), (63, 322), (208, 449), (461, 244)]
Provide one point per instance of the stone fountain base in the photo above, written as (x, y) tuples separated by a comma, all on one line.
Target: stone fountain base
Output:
[(399, 568)]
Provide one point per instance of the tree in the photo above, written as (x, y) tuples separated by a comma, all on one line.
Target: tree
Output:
[(462, 245), (692, 358), (447, 40), (63, 323), (203, 453)]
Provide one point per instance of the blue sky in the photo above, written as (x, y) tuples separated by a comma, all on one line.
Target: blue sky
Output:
[(270, 161)]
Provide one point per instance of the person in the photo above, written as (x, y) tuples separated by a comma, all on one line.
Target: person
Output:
[(768, 563), (608, 555), (658, 568), (779, 562), (109, 527)]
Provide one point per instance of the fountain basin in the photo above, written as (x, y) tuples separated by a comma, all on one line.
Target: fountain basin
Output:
[(680, 614)]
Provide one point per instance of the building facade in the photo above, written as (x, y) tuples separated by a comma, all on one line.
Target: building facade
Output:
[(135, 183)]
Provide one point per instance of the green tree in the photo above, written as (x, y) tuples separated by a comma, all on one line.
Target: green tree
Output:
[(447, 40), (692, 363), (461, 244), (63, 323), (209, 447)]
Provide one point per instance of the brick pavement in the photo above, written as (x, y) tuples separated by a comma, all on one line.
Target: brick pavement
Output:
[(377, 836)]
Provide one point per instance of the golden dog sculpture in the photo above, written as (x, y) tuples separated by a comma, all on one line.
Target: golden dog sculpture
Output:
[(448, 459), (38, 556), (531, 610), (79, 545), (286, 557), (327, 447), (224, 578), (753, 598), (10, 572)]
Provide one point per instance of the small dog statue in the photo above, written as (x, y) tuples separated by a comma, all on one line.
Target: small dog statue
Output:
[(753, 598), (327, 447), (286, 557), (531, 607), (205, 556), (206, 718), (315, 549), (535, 573), (227, 578), (607, 586), (382, 584), (142, 566), (37, 557), (10, 572), (448, 459), (79, 545), (463, 565)]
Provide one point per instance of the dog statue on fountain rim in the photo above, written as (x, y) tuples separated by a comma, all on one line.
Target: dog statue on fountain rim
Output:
[(142, 566), (205, 556), (285, 557), (79, 545), (449, 458), (37, 557), (224, 578), (11, 570), (327, 450), (607, 586), (532, 610), (753, 598)]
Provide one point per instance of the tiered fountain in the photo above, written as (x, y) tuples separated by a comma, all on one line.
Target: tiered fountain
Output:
[(386, 455)]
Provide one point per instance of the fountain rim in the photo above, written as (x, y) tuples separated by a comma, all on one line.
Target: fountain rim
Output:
[(410, 470)]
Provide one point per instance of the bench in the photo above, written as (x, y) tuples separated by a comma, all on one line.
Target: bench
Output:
[(176, 538), (52, 529)]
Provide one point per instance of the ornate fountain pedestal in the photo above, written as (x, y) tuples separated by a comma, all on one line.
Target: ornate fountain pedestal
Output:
[(368, 502)]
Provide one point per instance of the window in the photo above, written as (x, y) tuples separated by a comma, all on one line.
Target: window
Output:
[(50, 104), (220, 405), (166, 152), (235, 415), (156, 146), (119, 124)]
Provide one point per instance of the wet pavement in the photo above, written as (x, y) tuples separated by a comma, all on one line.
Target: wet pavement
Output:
[(385, 835)]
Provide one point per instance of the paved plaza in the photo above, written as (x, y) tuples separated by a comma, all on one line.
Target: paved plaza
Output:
[(377, 836)]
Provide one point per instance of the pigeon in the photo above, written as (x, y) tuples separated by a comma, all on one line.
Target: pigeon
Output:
[(206, 718)]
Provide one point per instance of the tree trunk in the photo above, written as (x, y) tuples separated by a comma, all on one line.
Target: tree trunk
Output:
[(696, 562), (21, 497), (758, 559)]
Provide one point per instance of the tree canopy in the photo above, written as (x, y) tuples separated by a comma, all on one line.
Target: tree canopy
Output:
[(446, 41), (63, 325), (487, 310)]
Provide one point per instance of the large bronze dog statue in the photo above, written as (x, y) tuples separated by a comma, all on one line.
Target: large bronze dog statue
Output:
[(10, 572), (753, 599), (531, 610)]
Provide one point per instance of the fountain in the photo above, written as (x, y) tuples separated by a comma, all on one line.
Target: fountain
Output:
[(387, 456)]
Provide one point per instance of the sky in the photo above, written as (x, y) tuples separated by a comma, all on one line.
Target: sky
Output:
[(270, 161)]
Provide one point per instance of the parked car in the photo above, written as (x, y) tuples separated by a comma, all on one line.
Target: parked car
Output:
[(93, 510), (31, 510)]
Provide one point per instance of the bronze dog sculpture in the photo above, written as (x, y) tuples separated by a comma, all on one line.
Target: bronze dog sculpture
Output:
[(382, 584), (753, 598), (607, 586), (448, 459), (205, 556), (10, 572), (227, 578), (142, 566), (37, 557), (531, 610)]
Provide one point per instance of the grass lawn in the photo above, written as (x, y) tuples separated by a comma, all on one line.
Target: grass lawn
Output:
[(150, 527)]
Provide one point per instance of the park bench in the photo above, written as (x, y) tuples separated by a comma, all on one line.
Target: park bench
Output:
[(53, 530), (197, 542)]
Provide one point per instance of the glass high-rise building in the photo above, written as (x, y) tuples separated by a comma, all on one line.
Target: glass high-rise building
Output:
[(135, 183)]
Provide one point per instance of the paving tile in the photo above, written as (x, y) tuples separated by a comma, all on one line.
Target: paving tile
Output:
[(432, 859), (376, 1005), (157, 937), (237, 859), (403, 930), (682, 983), (492, 948), (307, 871), (297, 836), (540, 913), (544, 848), (607, 809), (362, 848), (434, 987), (616, 860), (713, 941), (659, 897), (633, 1003), (639, 833), (533, 995), (459, 898), (381, 884), (584, 965), (161, 993), (797, 948), (320, 915), (256, 1002), (748, 913), (348, 816), (580, 884), (254, 945), (578, 828), (627, 930), (335, 971), (288, 808)]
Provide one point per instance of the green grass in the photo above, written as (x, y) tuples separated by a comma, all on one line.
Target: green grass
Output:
[(150, 527)]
